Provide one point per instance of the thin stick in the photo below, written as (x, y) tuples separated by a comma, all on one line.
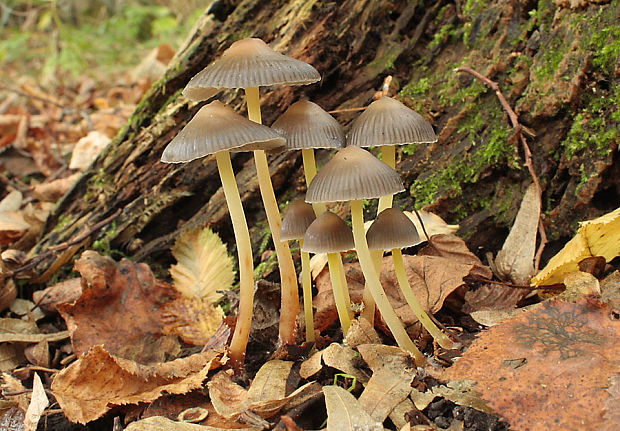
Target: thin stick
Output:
[(514, 120)]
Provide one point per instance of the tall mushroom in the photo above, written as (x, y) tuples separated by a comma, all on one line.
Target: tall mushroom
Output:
[(353, 175), (217, 129), (249, 64), (330, 234), (386, 123), (299, 215), (393, 230)]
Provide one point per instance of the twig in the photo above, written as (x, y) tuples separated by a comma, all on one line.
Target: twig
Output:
[(514, 120), (340, 111), (62, 246), (473, 278)]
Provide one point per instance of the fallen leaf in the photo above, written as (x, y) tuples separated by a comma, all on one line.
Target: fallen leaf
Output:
[(612, 405), (580, 284), (87, 149), (12, 227), (361, 332), (26, 309), (516, 258), (38, 354), (598, 237), (344, 412), (12, 420), (12, 201), (38, 404), (552, 362), (317, 264), (10, 356), (397, 415), (433, 224), (114, 294), (463, 393), (54, 190), (336, 356), (97, 381), (392, 373), (65, 292), (159, 423), (193, 320)]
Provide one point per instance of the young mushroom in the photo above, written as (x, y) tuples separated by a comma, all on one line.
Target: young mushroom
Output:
[(217, 129), (330, 234), (386, 123), (353, 175), (299, 215), (249, 64), (393, 230)]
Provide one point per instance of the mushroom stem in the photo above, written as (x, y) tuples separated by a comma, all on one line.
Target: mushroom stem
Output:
[(339, 293), (306, 283), (336, 268), (374, 285), (442, 339), (246, 262), (388, 156), (289, 307)]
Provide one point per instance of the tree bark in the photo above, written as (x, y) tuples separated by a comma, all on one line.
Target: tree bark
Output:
[(558, 68)]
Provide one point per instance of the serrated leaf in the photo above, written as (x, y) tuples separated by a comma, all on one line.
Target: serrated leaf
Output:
[(203, 267)]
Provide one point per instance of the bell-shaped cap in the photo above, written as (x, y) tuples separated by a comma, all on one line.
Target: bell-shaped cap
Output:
[(307, 125), (353, 174), (328, 234), (249, 63), (299, 215), (216, 127), (392, 229), (388, 122)]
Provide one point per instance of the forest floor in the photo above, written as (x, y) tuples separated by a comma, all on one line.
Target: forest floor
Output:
[(99, 341)]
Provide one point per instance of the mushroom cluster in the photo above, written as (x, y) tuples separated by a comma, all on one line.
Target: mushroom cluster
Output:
[(353, 175)]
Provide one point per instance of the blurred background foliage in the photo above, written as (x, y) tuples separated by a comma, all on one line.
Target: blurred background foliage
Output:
[(64, 39)]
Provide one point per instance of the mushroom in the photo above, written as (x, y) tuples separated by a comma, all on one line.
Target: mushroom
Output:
[(330, 234), (217, 129), (299, 215), (386, 123), (248, 64), (352, 175), (393, 230)]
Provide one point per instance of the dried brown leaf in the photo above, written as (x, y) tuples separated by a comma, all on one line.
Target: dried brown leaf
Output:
[(65, 292), (38, 354), (38, 404), (112, 295), (344, 412), (516, 258), (55, 189), (192, 319), (361, 332), (160, 423), (433, 224), (12, 420), (10, 356), (89, 387), (553, 362), (87, 149), (612, 405)]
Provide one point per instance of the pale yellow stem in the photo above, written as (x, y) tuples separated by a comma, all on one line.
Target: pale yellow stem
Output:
[(289, 305), (342, 306), (374, 285), (441, 338), (307, 155), (306, 282), (246, 262), (388, 155)]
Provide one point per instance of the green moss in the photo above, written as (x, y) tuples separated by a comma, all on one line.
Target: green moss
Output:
[(415, 88), (102, 245), (265, 268), (442, 36)]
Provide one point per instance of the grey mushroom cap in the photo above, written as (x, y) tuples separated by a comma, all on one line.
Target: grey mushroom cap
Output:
[(392, 229), (389, 122), (249, 63), (306, 125), (217, 127), (353, 174), (299, 215), (328, 234)]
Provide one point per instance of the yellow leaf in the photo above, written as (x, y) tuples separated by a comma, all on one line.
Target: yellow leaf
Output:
[(203, 267), (598, 237)]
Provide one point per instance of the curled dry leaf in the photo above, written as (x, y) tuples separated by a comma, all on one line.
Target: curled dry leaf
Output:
[(336, 356), (38, 354), (65, 292), (344, 412), (599, 237), (433, 224), (361, 332), (516, 258), (114, 294), (97, 381), (38, 404), (553, 362)]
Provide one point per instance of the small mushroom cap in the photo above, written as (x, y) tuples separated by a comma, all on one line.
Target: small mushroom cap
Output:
[(353, 174), (328, 234), (307, 125), (249, 63), (299, 215), (388, 122), (217, 127), (392, 229)]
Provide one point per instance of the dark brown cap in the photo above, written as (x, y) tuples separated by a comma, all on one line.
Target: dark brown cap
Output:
[(353, 174), (249, 63), (216, 127), (388, 122), (392, 229), (307, 125), (328, 234), (299, 215)]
